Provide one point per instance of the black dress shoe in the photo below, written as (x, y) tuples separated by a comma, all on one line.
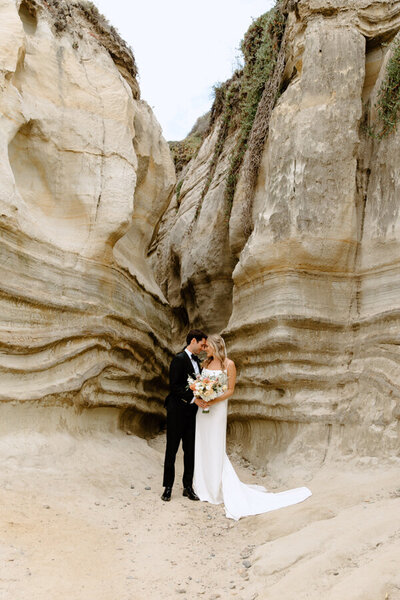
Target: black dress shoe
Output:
[(167, 494), (190, 493)]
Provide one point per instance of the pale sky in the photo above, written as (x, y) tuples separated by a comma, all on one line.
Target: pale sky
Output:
[(182, 48)]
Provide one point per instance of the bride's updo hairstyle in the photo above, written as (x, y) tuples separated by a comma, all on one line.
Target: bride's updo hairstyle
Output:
[(219, 350)]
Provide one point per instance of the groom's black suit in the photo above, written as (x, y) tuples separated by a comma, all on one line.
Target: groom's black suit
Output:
[(181, 419)]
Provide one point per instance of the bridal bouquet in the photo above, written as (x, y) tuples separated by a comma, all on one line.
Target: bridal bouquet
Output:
[(208, 387)]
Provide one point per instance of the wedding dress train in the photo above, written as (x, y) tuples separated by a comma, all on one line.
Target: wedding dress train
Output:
[(215, 479)]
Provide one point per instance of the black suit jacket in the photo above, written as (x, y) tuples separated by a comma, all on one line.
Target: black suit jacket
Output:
[(179, 393)]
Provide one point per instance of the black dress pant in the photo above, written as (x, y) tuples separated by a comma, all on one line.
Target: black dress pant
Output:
[(181, 425)]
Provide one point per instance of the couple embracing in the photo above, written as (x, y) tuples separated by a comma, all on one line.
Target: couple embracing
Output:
[(208, 473)]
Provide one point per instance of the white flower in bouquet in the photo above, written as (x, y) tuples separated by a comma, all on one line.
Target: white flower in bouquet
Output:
[(208, 387)]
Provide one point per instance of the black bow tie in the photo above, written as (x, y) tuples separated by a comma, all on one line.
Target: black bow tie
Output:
[(196, 358)]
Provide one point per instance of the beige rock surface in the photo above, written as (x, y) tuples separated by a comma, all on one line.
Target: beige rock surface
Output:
[(84, 177), (313, 322), (191, 255), (326, 382)]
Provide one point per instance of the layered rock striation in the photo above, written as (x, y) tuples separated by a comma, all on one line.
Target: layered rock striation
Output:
[(292, 252), (303, 276), (84, 172)]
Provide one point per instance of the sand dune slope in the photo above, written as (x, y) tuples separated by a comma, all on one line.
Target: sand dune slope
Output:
[(81, 518)]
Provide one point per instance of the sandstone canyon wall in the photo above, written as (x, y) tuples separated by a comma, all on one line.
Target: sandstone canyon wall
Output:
[(304, 281), (102, 259), (84, 171)]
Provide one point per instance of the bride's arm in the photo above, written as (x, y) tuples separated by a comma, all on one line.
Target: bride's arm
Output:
[(231, 384)]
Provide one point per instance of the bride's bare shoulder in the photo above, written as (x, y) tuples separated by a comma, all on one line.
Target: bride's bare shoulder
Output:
[(230, 364)]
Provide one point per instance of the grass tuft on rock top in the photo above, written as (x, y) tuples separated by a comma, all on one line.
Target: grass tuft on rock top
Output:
[(120, 51), (388, 101), (69, 14), (184, 150)]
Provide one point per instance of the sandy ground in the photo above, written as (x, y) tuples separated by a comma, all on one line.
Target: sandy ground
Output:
[(81, 519)]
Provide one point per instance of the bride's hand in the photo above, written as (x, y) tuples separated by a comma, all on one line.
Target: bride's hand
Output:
[(201, 403)]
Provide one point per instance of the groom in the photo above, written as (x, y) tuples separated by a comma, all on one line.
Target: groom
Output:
[(181, 414)]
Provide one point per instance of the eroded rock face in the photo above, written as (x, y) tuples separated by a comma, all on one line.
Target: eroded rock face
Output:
[(308, 302), (84, 172), (314, 320), (191, 256)]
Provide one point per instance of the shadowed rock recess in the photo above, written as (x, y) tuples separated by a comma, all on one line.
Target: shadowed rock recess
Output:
[(304, 284), (282, 231)]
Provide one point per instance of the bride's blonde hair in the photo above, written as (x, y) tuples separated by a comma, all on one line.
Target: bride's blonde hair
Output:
[(219, 351)]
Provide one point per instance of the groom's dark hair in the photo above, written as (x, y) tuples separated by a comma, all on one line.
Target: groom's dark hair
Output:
[(197, 334)]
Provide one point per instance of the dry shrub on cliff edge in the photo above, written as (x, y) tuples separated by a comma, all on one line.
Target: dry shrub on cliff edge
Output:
[(237, 101), (388, 102), (260, 127), (184, 150), (119, 47), (264, 48), (68, 15), (229, 94)]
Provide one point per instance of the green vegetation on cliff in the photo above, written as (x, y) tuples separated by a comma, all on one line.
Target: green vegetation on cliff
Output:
[(184, 150), (388, 102), (260, 47), (238, 100)]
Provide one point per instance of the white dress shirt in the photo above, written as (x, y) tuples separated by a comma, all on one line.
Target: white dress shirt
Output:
[(194, 362)]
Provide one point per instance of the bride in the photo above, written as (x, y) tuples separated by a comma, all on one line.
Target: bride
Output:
[(215, 479)]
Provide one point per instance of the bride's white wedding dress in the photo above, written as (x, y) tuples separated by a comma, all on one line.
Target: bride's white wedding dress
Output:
[(215, 479)]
